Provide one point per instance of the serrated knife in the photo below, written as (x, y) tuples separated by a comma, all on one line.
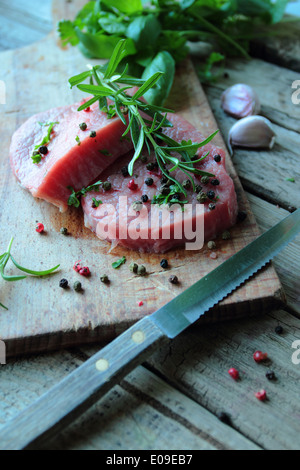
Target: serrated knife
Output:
[(78, 391)]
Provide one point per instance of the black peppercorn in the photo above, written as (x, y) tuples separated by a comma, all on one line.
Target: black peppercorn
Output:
[(211, 195), (93, 134), (106, 185), (198, 188), (165, 190), (164, 263), (124, 171), (215, 182), (211, 206), (64, 231), (279, 330), (104, 279), (63, 283), (270, 375), (43, 150), (242, 216), (186, 184), (217, 158), (145, 198), (83, 126), (149, 181), (173, 280), (150, 166)]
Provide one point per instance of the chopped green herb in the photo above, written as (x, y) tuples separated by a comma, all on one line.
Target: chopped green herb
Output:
[(96, 202), (78, 140), (105, 152), (119, 263), (292, 180), (74, 199), (5, 257), (36, 156)]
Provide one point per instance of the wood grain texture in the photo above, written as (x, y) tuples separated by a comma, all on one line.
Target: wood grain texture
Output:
[(43, 317)]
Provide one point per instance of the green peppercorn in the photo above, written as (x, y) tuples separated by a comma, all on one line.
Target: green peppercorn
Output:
[(64, 231), (202, 197), (133, 267), (226, 235), (205, 180), (83, 126), (187, 184), (104, 279), (106, 185), (77, 286), (141, 270), (211, 245)]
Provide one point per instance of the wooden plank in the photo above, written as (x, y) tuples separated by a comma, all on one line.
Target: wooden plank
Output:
[(143, 413), (197, 362), (42, 316), (265, 172), (287, 263)]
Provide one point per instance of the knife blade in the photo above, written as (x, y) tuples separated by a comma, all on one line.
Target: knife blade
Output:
[(82, 388)]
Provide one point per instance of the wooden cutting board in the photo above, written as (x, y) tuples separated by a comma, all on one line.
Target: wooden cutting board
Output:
[(41, 315)]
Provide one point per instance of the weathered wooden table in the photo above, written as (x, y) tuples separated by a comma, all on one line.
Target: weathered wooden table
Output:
[(174, 401)]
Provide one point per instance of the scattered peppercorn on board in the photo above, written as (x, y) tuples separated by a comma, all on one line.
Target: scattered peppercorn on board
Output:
[(43, 316)]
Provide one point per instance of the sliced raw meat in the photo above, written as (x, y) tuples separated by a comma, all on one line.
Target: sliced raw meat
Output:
[(111, 218), (73, 159)]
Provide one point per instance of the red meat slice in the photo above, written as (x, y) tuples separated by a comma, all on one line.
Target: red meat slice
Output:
[(102, 219), (73, 159)]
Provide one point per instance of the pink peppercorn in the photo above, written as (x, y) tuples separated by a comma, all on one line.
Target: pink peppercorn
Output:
[(77, 266), (40, 228), (132, 185), (234, 373), (85, 271), (141, 303), (258, 356), (262, 395)]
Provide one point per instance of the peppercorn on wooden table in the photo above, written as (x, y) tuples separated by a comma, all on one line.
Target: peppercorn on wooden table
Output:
[(183, 397)]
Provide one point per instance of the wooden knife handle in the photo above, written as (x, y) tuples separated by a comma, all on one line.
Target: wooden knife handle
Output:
[(81, 389)]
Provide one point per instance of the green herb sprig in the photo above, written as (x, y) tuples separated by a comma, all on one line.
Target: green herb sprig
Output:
[(5, 257), (119, 263), (104, 84), (74, 199), (37, 157)]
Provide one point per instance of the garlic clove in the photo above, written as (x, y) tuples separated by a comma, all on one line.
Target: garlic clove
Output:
[(240, 101), (252, 132)]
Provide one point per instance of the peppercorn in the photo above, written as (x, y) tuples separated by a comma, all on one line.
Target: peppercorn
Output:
[(211, 245), (259, 356), (270, 375), (39, 228), (242, 215), (83, 126), (136, 206), (124, 171), (93, 134), (133, 267), (85, 271), (279, 330), (173, 280), (63, 283), (163, 179), (145, 198), (224, 418), (150, 166), (77, 266), (234, 373), (132, 185), (262, 395), (198, 188), (211, 194), (202, 197), (106, 185), (144, 158), (195, 157), (164, 263), (104, 279), (226, 235), (165, 190), (217, 158), (176, 196), (205, 180), (149, 181), (215, 182), (186, 184), (64, 231), (77, 286), (43, 150), (141, 270), (211, 206)]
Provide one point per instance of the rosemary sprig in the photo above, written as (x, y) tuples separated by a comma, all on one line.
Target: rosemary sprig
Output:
[(74, 199), (104, 84), (5, 257)]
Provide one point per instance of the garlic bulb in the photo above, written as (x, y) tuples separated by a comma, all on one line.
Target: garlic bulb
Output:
[(253, 132), (240, 101)]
